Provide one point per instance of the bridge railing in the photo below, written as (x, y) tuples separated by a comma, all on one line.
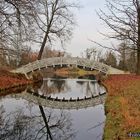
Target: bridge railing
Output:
[(61, 61)]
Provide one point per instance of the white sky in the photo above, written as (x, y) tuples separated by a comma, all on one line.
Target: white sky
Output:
[(88, 25)]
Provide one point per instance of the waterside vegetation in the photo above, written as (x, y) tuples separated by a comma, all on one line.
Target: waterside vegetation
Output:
[(11, 80), (122, 107)]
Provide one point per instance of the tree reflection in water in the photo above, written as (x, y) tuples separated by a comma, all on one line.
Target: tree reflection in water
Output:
[(90, 85), (19, 125), (56, 86), (91, 88), (53, 86)]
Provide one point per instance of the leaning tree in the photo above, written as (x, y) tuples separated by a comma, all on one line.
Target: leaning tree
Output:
[(55, 20), (123, 17)]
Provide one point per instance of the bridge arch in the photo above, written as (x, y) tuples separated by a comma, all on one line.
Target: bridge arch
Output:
[(60, 61), (62, 104)]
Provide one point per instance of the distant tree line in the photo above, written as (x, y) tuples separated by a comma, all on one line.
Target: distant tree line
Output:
[(124, 58), (123, 18)]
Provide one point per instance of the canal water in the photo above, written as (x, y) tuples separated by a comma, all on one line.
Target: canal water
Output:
[(58, 109)]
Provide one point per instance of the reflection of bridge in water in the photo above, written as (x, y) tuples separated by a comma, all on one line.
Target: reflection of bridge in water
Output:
[(68, 61), (62, 103), (64, 88)]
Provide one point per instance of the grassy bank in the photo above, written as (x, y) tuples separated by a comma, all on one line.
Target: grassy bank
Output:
[(122, 107), (11, 80)]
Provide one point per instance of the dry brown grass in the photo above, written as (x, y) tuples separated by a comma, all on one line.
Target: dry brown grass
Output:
[(122, 107)]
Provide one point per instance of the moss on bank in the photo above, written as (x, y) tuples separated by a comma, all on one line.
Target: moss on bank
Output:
[(122, 107)]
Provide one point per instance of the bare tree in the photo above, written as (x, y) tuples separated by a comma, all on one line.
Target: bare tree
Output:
[(49, 52), (89, 52), (123, 50), (46, 124), (15, 26), (111, 59), (55, 20), (123, 18), (93, 53), (127, 58)]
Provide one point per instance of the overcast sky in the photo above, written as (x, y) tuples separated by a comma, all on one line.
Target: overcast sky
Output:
[(88, 25)]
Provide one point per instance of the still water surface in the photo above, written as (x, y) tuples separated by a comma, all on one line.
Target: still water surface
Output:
[(21, 119)]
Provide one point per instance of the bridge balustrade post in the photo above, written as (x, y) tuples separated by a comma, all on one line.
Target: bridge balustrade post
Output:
[(101, 67), (76, 62), (38, 65), (56, 98), (109, 68), (26, 75), (30, 66), (61, 61)]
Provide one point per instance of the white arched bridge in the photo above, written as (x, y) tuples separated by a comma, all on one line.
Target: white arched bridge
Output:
[(67, 61)]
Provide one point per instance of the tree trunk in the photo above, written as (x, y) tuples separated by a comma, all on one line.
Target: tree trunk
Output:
[(138, 44), (42, 46), (45, 121), (138, 60)]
